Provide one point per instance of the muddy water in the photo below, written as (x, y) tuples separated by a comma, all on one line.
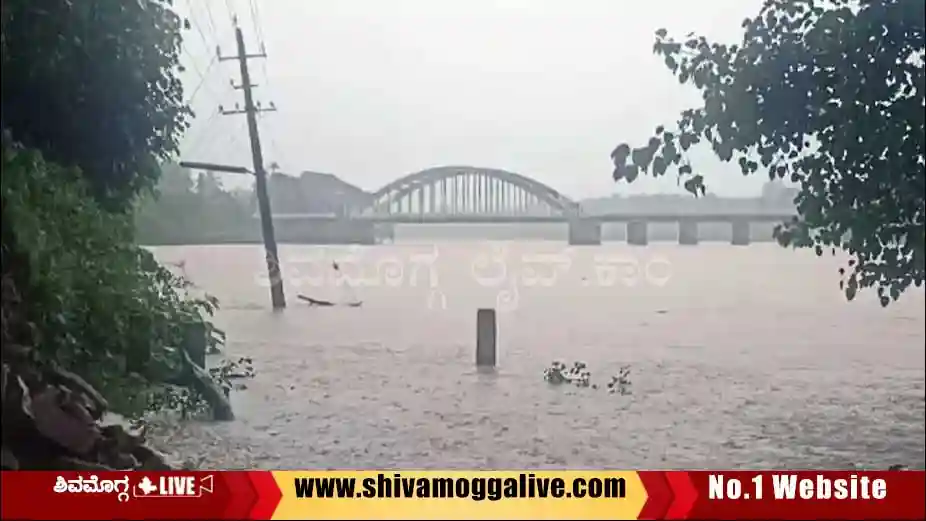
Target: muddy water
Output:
[(740, 357)]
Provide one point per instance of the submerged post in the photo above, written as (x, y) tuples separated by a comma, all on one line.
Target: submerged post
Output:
[(485, 338)]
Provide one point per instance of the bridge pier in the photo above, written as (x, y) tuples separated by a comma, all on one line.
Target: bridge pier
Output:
[(637, 233), (741, 232), (384, 232), (688, 233), (584, 232)]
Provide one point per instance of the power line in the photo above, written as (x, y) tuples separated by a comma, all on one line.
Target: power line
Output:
[(202, 80), (277, 150), (196, 24), (234, 138), (215, 31), (194, 65), (203, 131), (222, 99), (255, 19), (203, 76)]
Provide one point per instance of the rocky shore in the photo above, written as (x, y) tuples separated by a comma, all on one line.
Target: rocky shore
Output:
[(53, 419)]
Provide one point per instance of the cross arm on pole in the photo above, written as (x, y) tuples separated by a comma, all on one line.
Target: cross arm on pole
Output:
[(245, 111), (197, 165), (244, 57)]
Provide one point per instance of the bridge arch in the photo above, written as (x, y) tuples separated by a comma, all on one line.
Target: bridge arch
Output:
[(403, 188)]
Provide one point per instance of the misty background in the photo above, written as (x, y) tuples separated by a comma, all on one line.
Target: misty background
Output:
[(738, 347), (371, 90)]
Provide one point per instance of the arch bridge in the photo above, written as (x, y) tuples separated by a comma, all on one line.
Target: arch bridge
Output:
[(465, 194), (464, 191)]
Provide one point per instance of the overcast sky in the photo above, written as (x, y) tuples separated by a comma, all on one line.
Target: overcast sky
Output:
[(371, 90)]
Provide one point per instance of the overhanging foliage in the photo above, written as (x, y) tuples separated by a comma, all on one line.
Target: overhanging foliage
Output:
[(831, 96)]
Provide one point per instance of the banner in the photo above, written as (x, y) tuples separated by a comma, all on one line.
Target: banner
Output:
[(464, 495)]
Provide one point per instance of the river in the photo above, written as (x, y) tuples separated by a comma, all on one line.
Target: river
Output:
[(740, 357)]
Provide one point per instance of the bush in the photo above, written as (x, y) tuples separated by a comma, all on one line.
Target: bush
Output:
[(580, 376), (98, 304)]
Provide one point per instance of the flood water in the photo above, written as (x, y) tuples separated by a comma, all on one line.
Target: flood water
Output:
[(740, 357)]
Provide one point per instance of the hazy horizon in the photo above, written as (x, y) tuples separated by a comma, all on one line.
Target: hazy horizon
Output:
[(370, 90)]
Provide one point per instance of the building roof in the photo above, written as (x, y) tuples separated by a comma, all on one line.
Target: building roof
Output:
[(323, 183)]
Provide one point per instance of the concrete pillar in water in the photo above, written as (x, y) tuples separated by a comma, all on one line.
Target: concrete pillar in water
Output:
[(485, 338), (584, 232), (637, 234), (741, 233), (688, 232)]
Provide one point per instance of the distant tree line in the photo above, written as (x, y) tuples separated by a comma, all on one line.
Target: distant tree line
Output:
[(190, 208), (186, 211)]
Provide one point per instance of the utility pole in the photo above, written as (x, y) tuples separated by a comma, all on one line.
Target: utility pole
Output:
[(263, 201)]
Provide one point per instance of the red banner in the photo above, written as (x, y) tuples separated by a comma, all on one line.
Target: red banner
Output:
[(784, 495), (655, 495), (139, 495)]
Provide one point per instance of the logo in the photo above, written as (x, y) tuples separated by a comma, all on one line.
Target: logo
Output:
[(147, 487), (94, 485), (174, 486)]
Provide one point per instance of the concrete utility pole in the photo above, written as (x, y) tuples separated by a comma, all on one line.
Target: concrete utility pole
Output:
[(263, 201)]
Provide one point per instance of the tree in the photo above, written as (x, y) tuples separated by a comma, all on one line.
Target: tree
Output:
[(208, 185), (174, 180), (830, 95), (91, 102), (93, 84), (179, 213)]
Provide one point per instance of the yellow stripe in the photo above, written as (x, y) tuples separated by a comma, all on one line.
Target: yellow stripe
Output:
[(490, 486)]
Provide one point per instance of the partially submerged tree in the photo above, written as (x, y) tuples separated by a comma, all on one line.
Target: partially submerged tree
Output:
[(831, 96)]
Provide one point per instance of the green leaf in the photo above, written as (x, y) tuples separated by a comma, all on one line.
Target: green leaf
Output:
[(797, 96), (659, 166)]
